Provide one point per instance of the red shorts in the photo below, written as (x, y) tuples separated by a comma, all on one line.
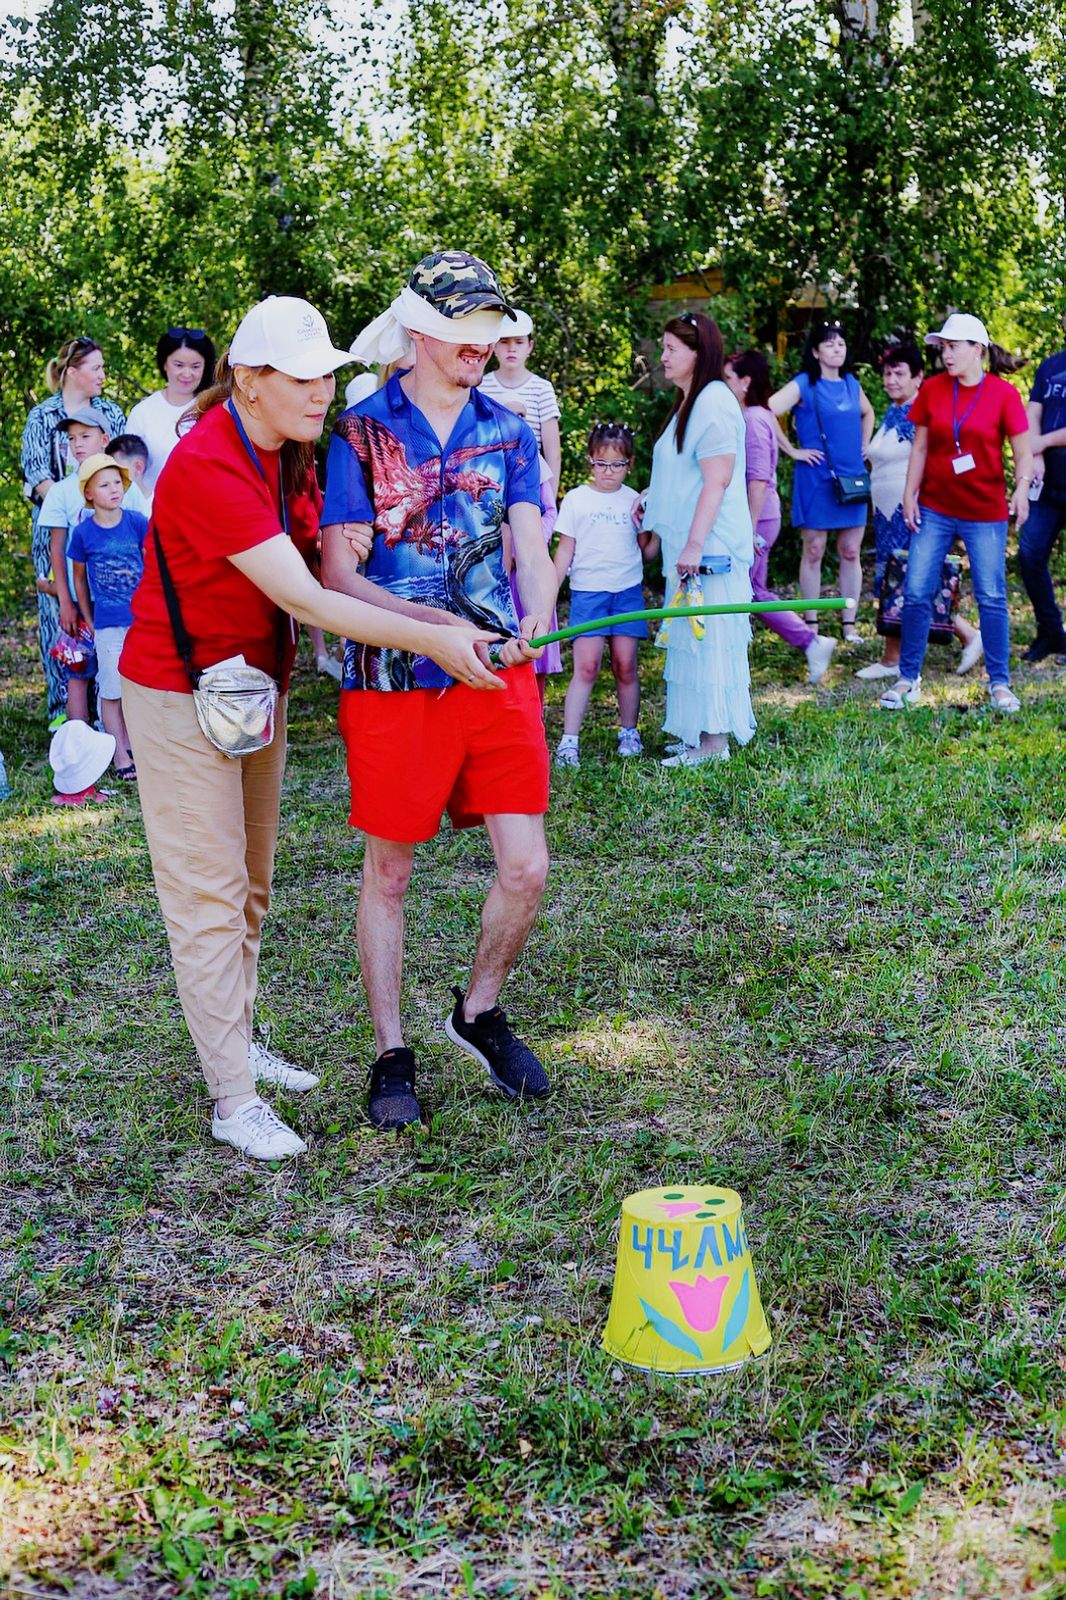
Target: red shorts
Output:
[(414, 754)]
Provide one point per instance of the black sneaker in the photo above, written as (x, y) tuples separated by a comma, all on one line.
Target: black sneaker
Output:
[(1040, 648), (510, 1064), (392, 1102)]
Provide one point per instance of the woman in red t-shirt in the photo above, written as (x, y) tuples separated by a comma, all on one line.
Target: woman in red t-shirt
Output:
[(236, 517), (956, 489)]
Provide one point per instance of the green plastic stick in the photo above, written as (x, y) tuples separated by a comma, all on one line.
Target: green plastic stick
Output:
[(753, 608)]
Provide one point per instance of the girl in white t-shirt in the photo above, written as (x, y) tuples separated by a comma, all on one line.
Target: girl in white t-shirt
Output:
[(601, 548)]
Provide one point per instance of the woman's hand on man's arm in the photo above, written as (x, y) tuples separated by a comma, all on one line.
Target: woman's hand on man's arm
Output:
[(276, 568)]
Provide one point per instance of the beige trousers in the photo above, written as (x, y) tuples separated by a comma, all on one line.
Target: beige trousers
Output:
[(212, 825)]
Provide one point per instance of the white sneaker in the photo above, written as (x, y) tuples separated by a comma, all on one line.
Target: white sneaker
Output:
[(877, 669), (566, 755), (329, 666), (257, 1131), (266, 1067), (819, 653), (971, 655)]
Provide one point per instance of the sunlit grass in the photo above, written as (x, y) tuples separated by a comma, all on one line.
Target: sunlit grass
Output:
[(828, 974)]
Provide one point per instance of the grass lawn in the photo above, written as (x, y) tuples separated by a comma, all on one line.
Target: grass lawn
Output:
[(829, 975)]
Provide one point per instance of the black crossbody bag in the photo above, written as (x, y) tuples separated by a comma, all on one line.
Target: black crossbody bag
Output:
[(849, 488)]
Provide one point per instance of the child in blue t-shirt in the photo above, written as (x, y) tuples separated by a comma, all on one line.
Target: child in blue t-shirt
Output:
[(107, 550)]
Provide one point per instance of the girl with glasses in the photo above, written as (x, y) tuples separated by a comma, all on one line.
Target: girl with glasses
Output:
[(601, 549)]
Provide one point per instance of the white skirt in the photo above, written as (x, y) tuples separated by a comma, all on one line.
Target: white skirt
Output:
[(708, 680)]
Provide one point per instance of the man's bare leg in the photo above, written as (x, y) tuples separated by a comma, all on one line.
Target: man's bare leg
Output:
[(379, 934), (521, 852)]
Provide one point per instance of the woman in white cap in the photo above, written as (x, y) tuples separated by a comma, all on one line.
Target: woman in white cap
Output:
[(235, 520), (956, 489)]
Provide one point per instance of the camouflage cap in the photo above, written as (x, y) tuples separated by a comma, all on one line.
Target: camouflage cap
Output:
[(455, 284)]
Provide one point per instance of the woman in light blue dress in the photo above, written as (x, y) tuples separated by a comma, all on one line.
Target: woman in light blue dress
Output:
[(698, 506)]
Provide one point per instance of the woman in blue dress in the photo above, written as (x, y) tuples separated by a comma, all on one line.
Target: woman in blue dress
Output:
[(698, 506), (834, 424)]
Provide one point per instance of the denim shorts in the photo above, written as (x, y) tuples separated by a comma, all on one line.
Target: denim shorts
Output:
[(109, 643), (590, 605)]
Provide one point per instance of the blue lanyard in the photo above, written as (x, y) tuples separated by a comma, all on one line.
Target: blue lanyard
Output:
[(956, 420), (250, 447)]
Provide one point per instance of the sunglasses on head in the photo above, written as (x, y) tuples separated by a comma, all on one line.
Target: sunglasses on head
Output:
[(186, 333), (76, 347)]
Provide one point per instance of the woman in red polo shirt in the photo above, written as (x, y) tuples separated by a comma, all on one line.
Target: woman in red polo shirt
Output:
[(956, 489), (236, 517)]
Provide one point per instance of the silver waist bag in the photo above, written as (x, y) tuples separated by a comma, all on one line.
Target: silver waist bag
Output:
[(236, 708)]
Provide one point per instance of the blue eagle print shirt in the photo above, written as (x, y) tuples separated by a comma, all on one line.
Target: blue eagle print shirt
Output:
[(437, 516)]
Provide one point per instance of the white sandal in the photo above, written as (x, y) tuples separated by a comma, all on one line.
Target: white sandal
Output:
[(1004, 699), (901, 695)]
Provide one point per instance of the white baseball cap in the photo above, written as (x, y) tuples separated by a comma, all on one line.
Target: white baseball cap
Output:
[(287, 334), (960, 325)]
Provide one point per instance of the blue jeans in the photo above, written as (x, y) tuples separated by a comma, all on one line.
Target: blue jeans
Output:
[(1047, 518), (986, 546)]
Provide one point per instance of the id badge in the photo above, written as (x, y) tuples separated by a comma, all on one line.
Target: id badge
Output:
[(961, 464)]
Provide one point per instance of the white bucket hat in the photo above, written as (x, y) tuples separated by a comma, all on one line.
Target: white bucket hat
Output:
[(361, 387), (78, 756), (289, 335), (960, 325)]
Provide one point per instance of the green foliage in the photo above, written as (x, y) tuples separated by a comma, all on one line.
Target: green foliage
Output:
[(175, 162)]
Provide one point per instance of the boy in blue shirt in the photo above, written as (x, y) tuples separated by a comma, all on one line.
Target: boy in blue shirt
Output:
[(107, 551)]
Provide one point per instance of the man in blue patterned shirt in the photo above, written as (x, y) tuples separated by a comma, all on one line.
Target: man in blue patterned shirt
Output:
[(430, 470)]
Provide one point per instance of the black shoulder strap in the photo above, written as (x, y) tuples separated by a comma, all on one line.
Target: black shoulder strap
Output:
[(170, 594), (818, 418)]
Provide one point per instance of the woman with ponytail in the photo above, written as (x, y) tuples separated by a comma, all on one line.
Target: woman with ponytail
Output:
[(234, 528), (956, 489), (75, 378)]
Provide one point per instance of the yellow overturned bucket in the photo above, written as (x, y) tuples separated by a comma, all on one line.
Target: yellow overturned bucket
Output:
[(685, 1298)]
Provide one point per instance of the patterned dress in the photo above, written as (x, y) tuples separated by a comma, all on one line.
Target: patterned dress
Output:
[(46, 454), (889, 454)]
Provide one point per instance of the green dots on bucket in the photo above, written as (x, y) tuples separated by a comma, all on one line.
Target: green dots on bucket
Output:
[(673, 1196), (712, 1200)]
